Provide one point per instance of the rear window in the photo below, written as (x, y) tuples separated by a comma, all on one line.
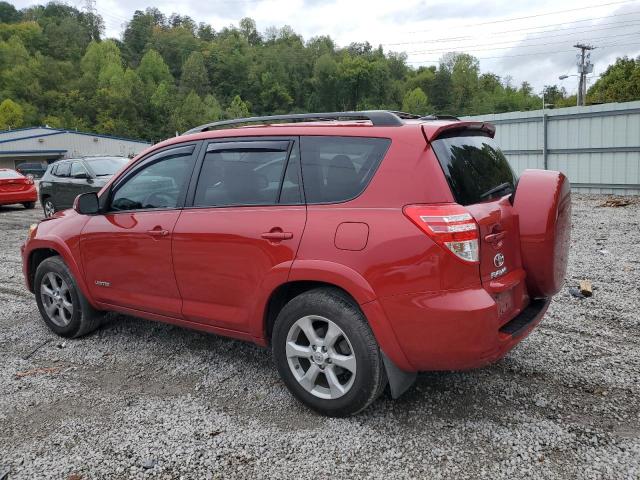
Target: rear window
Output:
[(4, 174), (336, 169), (473, 165)]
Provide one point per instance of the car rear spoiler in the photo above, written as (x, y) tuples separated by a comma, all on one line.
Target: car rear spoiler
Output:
[(432, 131)]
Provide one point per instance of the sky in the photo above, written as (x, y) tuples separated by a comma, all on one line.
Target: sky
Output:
[(520, 39)]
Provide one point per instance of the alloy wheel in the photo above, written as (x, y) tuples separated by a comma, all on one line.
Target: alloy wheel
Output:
[(56, 298), (321, 357), (49, 209)]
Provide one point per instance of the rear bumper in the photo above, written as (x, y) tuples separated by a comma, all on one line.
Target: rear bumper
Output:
[(456, 330), (8, 198)]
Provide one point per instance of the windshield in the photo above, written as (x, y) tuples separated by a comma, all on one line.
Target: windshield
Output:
[(4, 174), (106, 165), (475, 167)]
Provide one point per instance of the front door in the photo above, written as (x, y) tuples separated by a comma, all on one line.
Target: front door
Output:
[(126, 251), (238, 236)]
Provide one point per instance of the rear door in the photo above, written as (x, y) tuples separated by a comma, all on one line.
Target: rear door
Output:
[(238, 237), (482, 181)]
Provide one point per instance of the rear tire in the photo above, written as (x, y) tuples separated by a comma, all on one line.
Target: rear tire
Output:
[(29, 205), (62, 305), (344, 373)]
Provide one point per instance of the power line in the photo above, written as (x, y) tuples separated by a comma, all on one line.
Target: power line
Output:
[(549, 52), (506, 32), (513, 19), (518, 45)]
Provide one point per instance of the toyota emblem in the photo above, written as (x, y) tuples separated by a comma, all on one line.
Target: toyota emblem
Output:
[(498, 260)]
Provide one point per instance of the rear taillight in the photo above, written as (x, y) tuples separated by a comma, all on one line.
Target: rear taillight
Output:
[(449, 225)]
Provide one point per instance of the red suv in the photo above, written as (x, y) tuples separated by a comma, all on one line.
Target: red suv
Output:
[(363, 247)]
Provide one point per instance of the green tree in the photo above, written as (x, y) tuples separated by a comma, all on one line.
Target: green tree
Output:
[(11, 114), (194, 75), (153, 70), (619, 83), (416, 102), (237, 109)]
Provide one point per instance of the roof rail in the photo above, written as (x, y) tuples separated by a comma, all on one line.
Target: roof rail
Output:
[(379, 118)]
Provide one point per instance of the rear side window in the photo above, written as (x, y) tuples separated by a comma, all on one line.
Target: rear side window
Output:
[(337, 169), (247, 175), (473, 164)]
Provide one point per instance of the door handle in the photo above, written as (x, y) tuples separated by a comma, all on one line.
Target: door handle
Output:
[(158, 232), (277, 236)]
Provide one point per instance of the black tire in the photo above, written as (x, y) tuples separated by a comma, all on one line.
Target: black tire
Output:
[(29, 205), (84, 318), (50, 209), (370, 378)]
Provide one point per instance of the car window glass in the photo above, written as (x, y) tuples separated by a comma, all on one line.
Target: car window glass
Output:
[(156, 186), (291, 192), (63, 169), (106, 166), (240, 177), (76, 168), (5, 174), (335, 169)]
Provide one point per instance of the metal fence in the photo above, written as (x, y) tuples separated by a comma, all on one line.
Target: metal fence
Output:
[(597, 147)]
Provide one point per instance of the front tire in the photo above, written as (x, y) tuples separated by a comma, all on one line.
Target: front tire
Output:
[(326, 353), (62, 305), (48, 207), (29, 205)]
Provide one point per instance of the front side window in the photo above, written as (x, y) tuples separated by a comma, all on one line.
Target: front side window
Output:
[(63, 169), (158, 185), (242, 177), (76, 168), (336, 169)]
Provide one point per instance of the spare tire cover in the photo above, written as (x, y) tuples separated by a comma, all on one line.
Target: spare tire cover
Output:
[(543, 203)]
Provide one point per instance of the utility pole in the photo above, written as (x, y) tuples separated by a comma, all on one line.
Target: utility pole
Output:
[(584, 67)]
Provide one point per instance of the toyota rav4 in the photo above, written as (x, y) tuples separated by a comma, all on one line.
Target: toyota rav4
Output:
[(362, 247)]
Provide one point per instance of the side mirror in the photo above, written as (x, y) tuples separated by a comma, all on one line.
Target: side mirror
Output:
[(87, 204), (82, 175)]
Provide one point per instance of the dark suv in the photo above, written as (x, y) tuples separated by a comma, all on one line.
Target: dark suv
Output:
[(363, 247), (66, 179), (35, 169)]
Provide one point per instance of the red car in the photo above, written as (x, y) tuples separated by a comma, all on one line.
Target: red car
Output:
[(362, 247), (16, 188)]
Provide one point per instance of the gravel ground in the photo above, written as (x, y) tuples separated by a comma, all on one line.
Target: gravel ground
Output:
[(139, 399)]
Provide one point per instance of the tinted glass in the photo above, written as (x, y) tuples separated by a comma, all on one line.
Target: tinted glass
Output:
[(473, 165), (63, 169), (76, 168), (4, 174), (107, 166), (335, 169), (291, 192), (158, 185), (249, 177)]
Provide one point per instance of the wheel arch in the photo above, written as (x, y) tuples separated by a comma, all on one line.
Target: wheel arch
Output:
[(42, 249), (288, 291)]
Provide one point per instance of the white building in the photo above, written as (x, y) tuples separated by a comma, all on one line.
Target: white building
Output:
[(46, 145)]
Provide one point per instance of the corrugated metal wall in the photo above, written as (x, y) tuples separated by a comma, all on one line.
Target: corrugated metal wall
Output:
[(76, 144), (597, 147)]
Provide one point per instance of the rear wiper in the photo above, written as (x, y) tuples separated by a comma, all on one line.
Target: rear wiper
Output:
[(503, 187)]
